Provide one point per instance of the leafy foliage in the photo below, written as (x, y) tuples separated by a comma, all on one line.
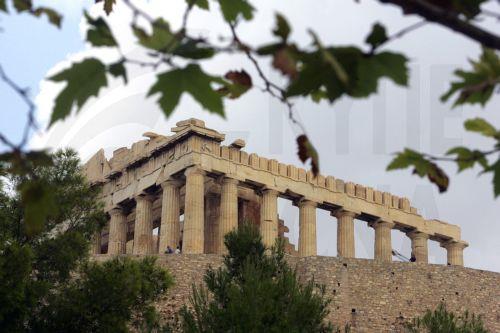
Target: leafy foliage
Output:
[(422, 166), (192, 80), (47, 283), (306, 152), (255, 292), (476, 86), (99, 33), (83, 80), (443, 321)]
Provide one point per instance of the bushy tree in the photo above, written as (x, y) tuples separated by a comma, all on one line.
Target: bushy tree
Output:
[(47, 283), (443, 321), (255, 292)]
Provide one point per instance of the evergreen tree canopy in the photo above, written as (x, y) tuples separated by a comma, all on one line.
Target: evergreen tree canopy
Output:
[(47, 283), (255, 291)]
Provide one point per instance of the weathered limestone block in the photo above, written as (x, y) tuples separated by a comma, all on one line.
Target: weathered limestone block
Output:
[(307, 228), (143, 231), (193, 235), (350, 189), (254, 160), (339, 185), (269, 217), (301, 174), (310, 177), (345, 233), (292, 172), (404, 204), (369, 194), (117, 232), (419, 246), (383, 243), (330, 183), (228, 210), (273, 166), (170, 213)]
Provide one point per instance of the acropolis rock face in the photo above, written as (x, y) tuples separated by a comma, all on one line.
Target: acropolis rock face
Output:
[(195, 189)]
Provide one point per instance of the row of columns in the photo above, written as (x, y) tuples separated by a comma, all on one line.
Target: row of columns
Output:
[(194, 226)]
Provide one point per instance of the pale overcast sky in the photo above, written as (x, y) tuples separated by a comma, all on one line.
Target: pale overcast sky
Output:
[(355, 139)]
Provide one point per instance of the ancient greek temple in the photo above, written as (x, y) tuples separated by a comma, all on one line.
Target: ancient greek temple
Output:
[(192, 190)]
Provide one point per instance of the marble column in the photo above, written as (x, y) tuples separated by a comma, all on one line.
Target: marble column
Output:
[(212, 216), (170, 228), (193, 236), (383, 243), (455, 252), (96, 243), (269, 217), (307, 228), (419, 247), (117, 232), (345, 234), (143, 229), (228, 210)]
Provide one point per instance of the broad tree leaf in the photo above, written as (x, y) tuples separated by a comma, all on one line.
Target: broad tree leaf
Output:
[(107, 5), (476, 86), (234, 9), (193, 49), (99, 33), (3, 6), (162, 39), (496, 178), (282, 28), (483, 127), (192, 80), (54, 17), (203, 4), (38, 202), (83, 80), (377, 36), (22, 5), (241, 82), (118, 69), (307, 151), (372, 68), (284, 61), (466, 158), (421, 167)]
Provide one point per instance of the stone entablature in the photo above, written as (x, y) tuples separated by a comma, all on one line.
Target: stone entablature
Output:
[(177, 174)]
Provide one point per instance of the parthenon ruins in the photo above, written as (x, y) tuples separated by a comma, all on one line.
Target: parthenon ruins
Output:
[(195, 190)]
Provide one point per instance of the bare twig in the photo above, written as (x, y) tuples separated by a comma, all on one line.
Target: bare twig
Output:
[(452, 20), (30, 123)]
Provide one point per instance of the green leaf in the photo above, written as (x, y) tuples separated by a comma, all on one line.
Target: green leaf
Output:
[(496, 178), (203, 4), (240, 83), (282, 28), (234, 9), (377, 36), (385, 64), (118, 69), (161, 39), (22, 5), (192, 80), (54, 17), (3, 6), (99, 33), (83, 80), (481, 126), (107, 5), (307, 151), (476, 86), (191, 49), (466, 158), (38, 202), (422, 167)]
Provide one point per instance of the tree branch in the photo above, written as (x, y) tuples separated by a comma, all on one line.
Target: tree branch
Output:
[(448, 19)]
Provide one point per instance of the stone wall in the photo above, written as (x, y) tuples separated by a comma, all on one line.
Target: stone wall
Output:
[(371, 296)]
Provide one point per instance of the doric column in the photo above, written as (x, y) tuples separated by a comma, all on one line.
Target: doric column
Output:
[(269, 217), (228, 210), (455, 252), (419, 247), (193, 235), (212, 216), (345, 233), (117, 232), (383, 244), (170, 212), (96, 243), (307, 228), (143, 229)]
